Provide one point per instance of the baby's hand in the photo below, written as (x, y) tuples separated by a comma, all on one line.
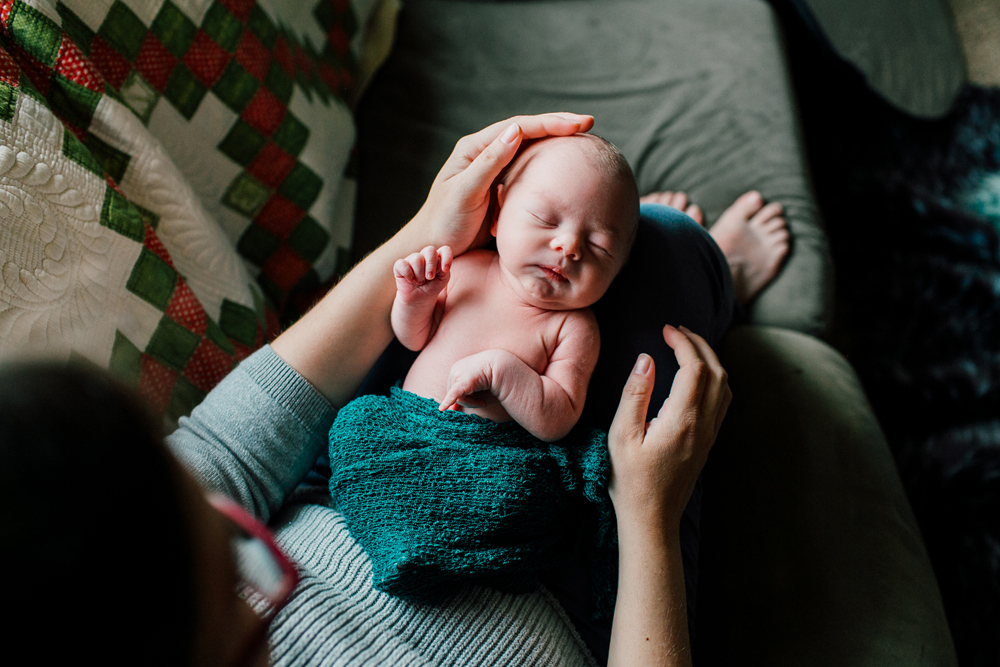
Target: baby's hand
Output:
[(467, 377), (423, 274)]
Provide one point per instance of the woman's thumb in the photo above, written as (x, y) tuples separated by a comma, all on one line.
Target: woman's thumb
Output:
[(488, 164), (630, 419)]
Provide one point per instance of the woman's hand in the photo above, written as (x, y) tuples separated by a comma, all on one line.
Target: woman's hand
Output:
[(455, 211), (654, 466)]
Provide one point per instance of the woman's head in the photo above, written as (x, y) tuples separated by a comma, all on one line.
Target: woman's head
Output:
[(98, 548), (114, 550)]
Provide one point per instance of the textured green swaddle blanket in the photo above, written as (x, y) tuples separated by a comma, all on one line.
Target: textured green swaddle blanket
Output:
[(440, 500)]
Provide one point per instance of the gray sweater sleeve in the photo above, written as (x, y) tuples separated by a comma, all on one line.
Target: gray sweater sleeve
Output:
[(256, 435)]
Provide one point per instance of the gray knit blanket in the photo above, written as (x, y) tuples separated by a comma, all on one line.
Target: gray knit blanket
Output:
[(440, 500)]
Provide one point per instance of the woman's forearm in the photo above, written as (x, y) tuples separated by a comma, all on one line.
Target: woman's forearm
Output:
[(650, 624)]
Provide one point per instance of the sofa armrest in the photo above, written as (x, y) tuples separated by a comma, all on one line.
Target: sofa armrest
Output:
[(810, 552)]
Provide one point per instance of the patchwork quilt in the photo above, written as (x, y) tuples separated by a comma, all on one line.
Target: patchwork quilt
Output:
[(173, 173)]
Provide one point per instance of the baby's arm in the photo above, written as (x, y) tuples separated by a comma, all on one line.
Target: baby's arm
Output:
[(549, 404), (421, 279)]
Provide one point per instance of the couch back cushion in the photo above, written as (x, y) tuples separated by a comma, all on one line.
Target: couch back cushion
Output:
[(173, 173)]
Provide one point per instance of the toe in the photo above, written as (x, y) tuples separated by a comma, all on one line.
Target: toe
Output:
[(680, 201), (694, 212), (766, 213), (745, 206), (774, 224), (657, 198)]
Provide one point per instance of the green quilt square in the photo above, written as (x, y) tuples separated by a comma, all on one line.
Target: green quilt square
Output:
[(242, 143), (184, 398), (78, 31), (275, 295), (257, 244), (260, 24), (345, 261), (123, 30), (291, 135), (308, 239), (152, 279), (148, 217), (246, 195), (139, 96), (174, 29), (278, 82), (238, 322), (172, 344), (214, 333), (224, 28), (75, 103), (325, 14), (8, 101), (301, 186), (26, 87), (35, 32), (236, 86), (184, 90), (126, 360), (113, 161), (118, 214), (74, 149)]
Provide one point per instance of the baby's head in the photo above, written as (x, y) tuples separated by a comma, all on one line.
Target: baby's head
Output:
[(566, 216)]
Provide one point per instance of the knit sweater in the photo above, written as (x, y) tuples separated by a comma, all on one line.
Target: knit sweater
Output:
[(254, 438)]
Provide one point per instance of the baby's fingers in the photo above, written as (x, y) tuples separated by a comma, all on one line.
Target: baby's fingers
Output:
[(445, 257), (430, 260), (402, 269)]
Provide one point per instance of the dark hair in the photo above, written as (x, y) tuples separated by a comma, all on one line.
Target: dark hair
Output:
[(97, 554)]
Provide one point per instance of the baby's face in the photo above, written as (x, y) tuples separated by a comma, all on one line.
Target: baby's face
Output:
[(560, 228)]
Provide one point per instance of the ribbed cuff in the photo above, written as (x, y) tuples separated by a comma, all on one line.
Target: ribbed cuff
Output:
[(289, 389)]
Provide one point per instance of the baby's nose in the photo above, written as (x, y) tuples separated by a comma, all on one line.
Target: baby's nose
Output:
[(568, 244)]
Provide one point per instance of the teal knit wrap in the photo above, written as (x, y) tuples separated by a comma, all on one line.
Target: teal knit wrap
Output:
[(440, 500)]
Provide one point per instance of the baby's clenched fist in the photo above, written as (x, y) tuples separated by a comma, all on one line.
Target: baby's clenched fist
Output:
[(423, 274)]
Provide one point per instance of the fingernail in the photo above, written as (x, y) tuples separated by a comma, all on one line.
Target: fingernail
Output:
[(642, 364), (510, 133)]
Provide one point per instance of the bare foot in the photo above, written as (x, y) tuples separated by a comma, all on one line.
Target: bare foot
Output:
[(755, 240), (677, 200)]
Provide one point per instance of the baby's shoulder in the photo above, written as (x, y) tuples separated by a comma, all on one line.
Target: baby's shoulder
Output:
[(580, 322), (472, 264)]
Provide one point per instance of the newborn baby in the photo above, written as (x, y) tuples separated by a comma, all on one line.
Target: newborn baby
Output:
[(507, 334), (457, 478)]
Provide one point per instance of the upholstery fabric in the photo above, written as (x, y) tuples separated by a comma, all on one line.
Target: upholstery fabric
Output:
[(695, 93)]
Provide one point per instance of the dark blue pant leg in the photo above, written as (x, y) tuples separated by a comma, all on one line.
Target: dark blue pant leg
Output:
[(676, 275)]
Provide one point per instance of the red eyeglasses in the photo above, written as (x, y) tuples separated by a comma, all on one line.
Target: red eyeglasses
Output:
[(266, 575)]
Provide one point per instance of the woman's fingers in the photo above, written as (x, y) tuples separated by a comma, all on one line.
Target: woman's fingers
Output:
[(486, 166), (630, 419), (688, 387), (717, 380)]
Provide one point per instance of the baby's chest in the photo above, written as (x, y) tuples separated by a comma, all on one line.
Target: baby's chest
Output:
[(475, 325)]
